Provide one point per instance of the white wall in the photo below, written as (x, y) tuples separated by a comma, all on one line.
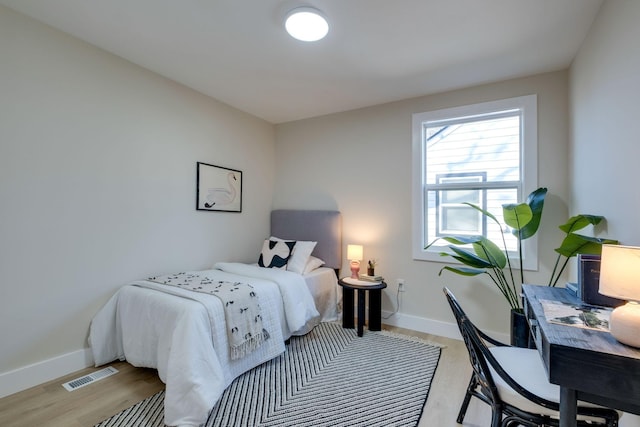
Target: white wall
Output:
[(604, 141), (360, 163), (604, 100), (97, 185)]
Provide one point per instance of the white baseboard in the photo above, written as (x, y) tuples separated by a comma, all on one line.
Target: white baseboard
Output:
[(430, 326), (32, 375)]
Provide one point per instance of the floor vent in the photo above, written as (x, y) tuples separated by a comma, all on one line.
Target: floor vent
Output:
[(91, 378)]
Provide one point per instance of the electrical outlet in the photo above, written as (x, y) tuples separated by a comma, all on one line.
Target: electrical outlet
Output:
[(400, 283)]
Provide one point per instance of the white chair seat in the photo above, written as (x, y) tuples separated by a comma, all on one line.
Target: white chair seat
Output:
[(526, 368)]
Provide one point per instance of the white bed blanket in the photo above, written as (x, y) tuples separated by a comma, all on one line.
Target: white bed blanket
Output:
[(299, 306), (185, 338)]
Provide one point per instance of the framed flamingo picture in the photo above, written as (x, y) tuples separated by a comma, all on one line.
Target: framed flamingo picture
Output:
[(218, 188)]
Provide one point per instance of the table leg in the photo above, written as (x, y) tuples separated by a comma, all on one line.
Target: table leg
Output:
[(361, 303), (568, 407), (347, 308), (375, 309)]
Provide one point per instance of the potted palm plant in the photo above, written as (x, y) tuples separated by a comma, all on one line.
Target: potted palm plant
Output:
[(479, 255)]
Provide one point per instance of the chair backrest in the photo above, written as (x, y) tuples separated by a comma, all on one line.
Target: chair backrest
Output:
[(482, 358), (476, 356)]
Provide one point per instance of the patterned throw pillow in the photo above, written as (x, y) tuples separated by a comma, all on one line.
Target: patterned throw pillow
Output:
[(300, 254), (275, 253)]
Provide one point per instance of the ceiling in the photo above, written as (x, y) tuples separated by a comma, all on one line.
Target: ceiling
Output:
[(376, 51)]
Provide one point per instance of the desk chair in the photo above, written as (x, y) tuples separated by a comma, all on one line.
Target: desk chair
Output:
[(513, 382)]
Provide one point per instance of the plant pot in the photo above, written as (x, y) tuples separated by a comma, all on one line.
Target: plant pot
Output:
[(370, 272), (520, 334)]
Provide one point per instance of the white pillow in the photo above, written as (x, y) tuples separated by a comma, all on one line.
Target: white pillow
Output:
[(312, 264), (300, 255), (275, 253)]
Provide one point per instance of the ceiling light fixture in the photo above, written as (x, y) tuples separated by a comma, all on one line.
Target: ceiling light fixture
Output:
[(306, 24)]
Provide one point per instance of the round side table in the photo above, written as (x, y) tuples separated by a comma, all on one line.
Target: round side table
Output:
[(349, 286)]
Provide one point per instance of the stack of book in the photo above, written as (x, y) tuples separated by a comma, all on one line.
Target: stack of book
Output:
[(572, 288), (375, 279)]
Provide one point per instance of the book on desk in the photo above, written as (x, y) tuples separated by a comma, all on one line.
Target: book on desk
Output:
[(577, 315), (364, 280), (367, 278)]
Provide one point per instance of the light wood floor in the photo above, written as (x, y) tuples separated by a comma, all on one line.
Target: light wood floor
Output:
[(53, 406)]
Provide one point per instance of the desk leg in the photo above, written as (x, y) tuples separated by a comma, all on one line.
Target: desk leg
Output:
[(347, 308), (568, 407), (361, 303), (375, 309)]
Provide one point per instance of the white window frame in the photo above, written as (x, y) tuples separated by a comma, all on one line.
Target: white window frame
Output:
[(527, 105)]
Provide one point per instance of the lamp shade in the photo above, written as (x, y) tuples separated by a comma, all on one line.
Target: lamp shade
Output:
[(620, 272), (354, 252), (620, 278)]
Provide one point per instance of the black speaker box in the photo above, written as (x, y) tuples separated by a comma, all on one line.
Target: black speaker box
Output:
[(589, 281)]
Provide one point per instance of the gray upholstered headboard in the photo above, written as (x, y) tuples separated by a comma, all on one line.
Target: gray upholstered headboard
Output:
[(324, 227)]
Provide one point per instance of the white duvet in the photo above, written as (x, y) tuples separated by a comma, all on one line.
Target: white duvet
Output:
[(185, 338)]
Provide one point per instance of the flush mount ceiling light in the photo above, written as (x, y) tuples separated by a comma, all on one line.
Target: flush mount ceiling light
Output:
[(306, 24)]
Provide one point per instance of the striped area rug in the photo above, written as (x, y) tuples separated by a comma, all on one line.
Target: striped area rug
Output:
[(327, 378)]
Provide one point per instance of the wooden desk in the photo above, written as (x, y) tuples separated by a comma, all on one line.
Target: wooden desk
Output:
[(588, 365)]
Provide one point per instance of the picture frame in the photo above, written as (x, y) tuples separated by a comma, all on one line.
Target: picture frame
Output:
[(218, 189)]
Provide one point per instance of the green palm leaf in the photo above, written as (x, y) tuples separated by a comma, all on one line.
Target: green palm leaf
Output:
[(574, 244), (535, 201), (463, 271), (490, 252), (469, 258), (463, 240), (517, 216), (579, 222)]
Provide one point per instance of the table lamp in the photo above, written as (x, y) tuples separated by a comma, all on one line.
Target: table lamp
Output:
[(620, 278), (354, 254)]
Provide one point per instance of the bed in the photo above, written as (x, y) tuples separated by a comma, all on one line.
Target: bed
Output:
[(184, 335)]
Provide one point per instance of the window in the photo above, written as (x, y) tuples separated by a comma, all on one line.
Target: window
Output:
[(485, 154)]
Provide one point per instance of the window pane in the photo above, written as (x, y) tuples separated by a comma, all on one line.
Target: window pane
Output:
[(438, 222), (460, 220), (460, 196), (487, 146)]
